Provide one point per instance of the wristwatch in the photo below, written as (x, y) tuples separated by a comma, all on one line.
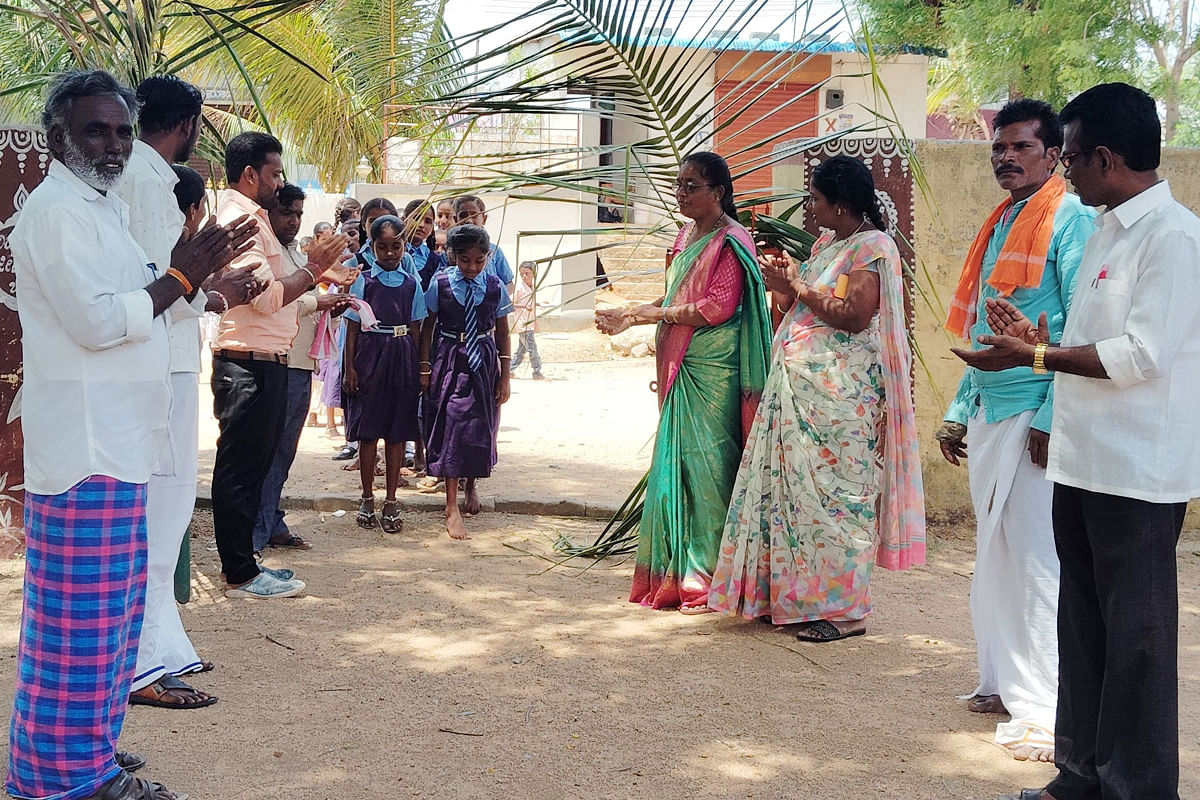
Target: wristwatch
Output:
[(1039, 359)]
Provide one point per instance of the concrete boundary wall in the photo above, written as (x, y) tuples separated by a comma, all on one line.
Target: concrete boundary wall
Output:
[(962, 191)]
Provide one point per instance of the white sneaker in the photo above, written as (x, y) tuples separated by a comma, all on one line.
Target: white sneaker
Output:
[(266, 586)]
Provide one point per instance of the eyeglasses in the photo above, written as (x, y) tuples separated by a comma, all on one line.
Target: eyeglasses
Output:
[(691, 187), (1068, 159)]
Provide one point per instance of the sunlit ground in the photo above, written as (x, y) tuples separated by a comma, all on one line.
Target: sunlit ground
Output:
[(418, 667)]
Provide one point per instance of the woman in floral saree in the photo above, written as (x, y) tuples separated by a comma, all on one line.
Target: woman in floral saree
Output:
[(830, 481), (713, 339)]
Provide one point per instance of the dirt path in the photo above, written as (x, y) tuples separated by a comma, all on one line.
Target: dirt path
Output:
[(418, 667)]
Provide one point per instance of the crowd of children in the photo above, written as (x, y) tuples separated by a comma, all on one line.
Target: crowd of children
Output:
[(425, 367)]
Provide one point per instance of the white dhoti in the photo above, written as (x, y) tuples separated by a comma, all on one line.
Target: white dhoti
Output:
[(170, 499), (1014, 594)]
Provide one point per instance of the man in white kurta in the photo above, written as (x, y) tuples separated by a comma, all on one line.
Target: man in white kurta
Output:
[(168, 119)]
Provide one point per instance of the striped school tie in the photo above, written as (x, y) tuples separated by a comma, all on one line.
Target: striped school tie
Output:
[(472, 326)]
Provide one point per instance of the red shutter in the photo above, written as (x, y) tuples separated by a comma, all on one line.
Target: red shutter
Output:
[(783, 107)]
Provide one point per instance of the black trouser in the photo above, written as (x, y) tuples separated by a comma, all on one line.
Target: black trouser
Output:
[(1117, 729), (249, 398)]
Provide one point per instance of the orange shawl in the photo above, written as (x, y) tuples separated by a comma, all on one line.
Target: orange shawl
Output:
[(1021, 259)]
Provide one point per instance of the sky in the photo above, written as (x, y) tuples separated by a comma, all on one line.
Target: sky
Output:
[(466, 16)]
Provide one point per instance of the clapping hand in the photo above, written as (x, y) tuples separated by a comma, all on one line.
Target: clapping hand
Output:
[(778, 273), (212, 248), (237, 286), (612, 321), (333, 301), (1013, 344), (1004, 318)]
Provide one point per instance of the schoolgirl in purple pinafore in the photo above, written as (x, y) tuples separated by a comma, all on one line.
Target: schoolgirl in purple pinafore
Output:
[(461, 414), (385, 359)]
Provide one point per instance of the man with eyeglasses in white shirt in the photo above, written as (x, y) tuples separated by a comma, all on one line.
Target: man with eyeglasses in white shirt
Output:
[(1124, 454)]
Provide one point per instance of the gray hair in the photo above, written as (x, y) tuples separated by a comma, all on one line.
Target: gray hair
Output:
[(67, 86)]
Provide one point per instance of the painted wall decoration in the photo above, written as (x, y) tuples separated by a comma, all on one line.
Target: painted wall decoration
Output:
[(889, 163), (24, 160)]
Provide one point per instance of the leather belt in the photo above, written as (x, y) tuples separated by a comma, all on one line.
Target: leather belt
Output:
[(251, 355), (462, 336), (389, 330)]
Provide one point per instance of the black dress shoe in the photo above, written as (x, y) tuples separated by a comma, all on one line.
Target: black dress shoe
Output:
[(346, 453), (130, 762)]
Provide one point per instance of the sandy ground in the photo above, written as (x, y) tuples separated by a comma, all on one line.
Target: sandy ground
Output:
[(420, 667), (583, 435)]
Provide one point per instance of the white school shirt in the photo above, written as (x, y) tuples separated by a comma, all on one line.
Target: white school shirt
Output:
[(148, 187), (1137, 298), (306, 312), (95, 397)]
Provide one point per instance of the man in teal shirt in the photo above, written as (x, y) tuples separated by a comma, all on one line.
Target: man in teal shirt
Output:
[(1027, 251)]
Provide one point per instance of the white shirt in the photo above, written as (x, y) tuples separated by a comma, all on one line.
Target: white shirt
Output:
[(148, 187), (306, 311), (1137, 298), (95, 397)]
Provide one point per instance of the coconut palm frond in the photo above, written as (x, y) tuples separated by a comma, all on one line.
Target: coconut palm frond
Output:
[(625, 63)]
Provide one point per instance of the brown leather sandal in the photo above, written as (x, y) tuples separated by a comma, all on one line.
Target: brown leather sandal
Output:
[(170, 692)]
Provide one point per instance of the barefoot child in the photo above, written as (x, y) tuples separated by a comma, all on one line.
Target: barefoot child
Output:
[(381, 385), (468, 374)]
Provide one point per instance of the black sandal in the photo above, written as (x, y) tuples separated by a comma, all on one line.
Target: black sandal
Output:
[(366, 513), (293, 541), (822, 630), (390, 520)]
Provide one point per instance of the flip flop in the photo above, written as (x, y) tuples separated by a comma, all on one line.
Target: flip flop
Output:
[(390, 520), (823, 630), (169, 686), (366, 513)]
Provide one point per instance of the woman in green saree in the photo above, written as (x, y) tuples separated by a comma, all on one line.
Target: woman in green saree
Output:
[(713, 342)]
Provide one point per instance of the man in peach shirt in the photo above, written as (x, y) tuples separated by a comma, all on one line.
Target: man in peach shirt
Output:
[(249, 379)]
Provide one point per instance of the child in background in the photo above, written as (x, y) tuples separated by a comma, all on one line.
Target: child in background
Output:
[(525, 320), (469, 210), (382, 386), (418, 227), (445, 214), (439, 246), (464, 371), (347, 208)]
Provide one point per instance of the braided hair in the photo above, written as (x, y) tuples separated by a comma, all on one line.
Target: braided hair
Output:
[(846, 180)]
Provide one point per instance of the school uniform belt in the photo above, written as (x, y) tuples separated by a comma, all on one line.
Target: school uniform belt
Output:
[(251, 355), (462, 336), (389, 330)]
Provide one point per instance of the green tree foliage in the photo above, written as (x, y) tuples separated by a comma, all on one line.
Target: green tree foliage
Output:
[(1051, 49), (334, 79)]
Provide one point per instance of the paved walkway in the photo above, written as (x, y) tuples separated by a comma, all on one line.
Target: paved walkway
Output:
[(571, 445)]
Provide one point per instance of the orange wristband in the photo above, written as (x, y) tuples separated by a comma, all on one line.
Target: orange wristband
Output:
[(183, 281)]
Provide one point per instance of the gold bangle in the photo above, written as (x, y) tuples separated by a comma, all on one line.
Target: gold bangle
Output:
[(183, 281), (1039, 359)]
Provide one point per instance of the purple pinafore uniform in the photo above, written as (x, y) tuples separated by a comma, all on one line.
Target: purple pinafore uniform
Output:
[(389, 388), (461, 413)]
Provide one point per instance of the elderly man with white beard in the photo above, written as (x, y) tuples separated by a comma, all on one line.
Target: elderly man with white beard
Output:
[(96, 395)]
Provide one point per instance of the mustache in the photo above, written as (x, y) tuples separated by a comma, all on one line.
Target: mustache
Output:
[(1009, 168)]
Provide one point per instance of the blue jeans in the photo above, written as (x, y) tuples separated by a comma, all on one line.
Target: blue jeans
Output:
[(269, 524), (525, 342)]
